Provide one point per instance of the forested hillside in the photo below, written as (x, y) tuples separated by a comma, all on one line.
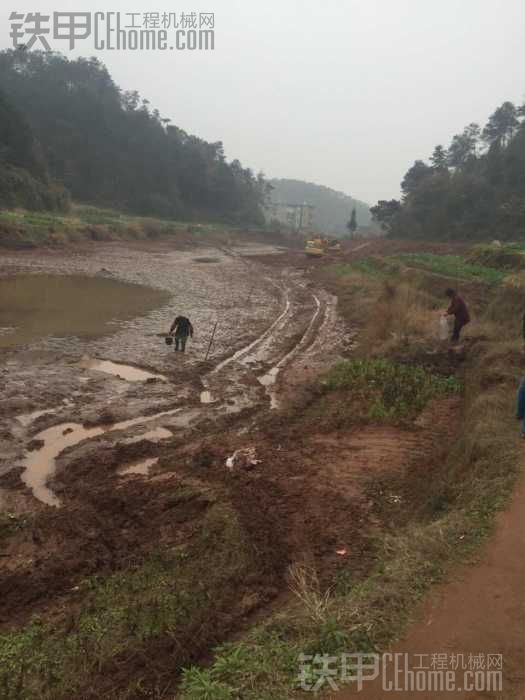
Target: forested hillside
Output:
[(474, 189), (24, 180), (332, 209), (109, 147)]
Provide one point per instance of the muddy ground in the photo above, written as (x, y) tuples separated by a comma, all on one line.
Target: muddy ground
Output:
[(73, 436), (92, 456)]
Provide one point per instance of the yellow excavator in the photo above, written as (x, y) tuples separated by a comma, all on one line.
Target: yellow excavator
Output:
[(314, 248), (318, 247)]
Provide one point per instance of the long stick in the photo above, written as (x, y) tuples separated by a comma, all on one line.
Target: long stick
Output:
[(211, 340)]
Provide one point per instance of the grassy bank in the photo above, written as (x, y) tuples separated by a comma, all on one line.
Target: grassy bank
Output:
[(455, 266), (20, 229), (388, 390)]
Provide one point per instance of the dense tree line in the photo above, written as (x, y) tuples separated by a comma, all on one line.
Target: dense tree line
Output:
[(24, 179), (110, 148), (474, 189)]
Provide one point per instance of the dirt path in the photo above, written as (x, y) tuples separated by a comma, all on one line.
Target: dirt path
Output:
[(481, 612)]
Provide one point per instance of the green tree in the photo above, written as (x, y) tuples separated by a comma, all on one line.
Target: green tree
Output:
[(414, 176), (110, 147), (501, 125), (481, 197), (439, 158), (386, 214), (24, 179), (463, 148), (352, 224)]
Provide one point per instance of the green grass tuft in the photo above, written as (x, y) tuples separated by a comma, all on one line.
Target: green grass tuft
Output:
[(390, 390), (452, 266)]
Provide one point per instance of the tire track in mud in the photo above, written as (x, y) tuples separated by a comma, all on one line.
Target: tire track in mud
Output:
[(241, 354), (269, 345), (269, 379)]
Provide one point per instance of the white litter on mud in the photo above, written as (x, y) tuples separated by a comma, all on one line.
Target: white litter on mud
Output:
[(246, 458), (7, 330), (126, 372)]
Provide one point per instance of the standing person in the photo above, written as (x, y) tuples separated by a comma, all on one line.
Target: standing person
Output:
[(183, 328), (520, 398), (459, 310), (520, 406)]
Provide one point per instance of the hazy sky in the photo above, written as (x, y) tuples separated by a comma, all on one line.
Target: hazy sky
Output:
[(345, 93)]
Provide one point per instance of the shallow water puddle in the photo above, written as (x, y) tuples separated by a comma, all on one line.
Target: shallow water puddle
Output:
[(127, 372), (142, 468), (40, 465), (26, 419), (270, 377), (34, 306)]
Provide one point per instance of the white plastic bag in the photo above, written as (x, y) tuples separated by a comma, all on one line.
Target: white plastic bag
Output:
[(443, 328)]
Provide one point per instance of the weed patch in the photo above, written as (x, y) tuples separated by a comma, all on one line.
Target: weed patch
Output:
[(388, 389), (452, 266), (165, 598), (9, 524)]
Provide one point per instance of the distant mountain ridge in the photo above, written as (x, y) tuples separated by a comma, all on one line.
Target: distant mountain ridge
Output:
[(332, 208)]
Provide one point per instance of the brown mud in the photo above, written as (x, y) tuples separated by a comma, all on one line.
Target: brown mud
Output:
[(125, 442)]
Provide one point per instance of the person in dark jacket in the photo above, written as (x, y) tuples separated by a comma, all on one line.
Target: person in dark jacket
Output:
[(520, 398), (520, 406), (182, 328), (459, 310)]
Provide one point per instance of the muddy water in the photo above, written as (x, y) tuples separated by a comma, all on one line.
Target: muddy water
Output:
[(26, 419), (237, 294), (41, 464), (34, 306), (141, 468), (127, 372)]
